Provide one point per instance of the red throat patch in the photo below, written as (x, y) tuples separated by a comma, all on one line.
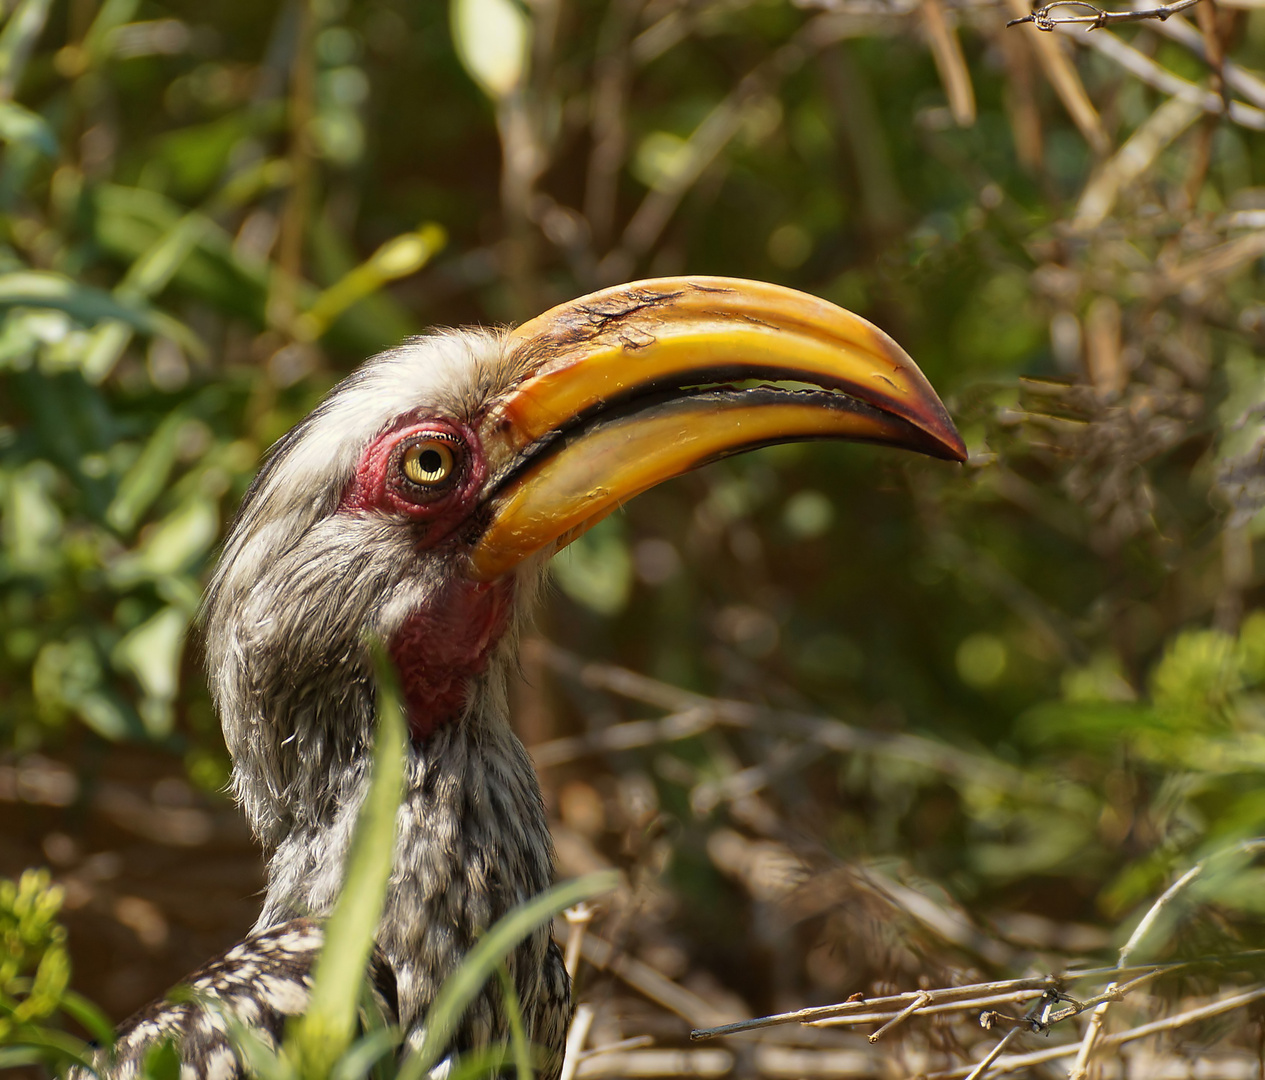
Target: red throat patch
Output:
[(439, 650)]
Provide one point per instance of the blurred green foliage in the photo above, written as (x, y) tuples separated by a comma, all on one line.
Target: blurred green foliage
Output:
[(209, 215), (34, 968)]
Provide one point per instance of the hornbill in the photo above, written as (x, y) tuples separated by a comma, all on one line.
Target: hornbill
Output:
[(419, 503)]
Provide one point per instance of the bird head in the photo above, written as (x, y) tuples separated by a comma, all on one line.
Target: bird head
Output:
[(422, 499)]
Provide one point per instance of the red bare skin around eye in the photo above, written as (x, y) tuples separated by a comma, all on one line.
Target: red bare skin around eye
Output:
[(444, 645), (378, 484)]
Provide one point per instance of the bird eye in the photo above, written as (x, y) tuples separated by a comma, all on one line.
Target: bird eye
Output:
[(428, 463)]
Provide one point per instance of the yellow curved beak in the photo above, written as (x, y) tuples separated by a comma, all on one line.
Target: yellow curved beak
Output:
[(628, 387)]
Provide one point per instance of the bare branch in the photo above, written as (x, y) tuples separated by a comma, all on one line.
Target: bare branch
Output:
[(1237, 78), (1170, 1023), (904, 1014), (1071, 91), (693, 712), (1156, 75), (1043, 18), (1094, 1029), (983, 995), (577, 1033), (993, 1055), (1133, 159)]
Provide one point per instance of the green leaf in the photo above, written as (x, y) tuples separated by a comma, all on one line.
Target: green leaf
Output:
[(147, 276), (152, 654), (518, 1035), (100, 35), (147, 477), (398, 257), (173, 546), (321, 1037), (89, 1017), (596, 569), (364, 1053), (493, 40), (46, 289), (20, 125), (18, 39)]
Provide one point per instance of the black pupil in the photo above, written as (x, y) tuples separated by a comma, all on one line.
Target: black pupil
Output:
[(429, 462)]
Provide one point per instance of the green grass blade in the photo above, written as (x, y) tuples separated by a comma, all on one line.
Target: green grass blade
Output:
[(399, 257), (490, 1061), (20, 125), (321, 1037), (18, 39), (365, 1053), (45, 289), (148, 275), (464, 984), (518, 1036), (89, 1017), (52, 1043)]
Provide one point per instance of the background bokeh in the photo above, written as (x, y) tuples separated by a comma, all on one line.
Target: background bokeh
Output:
[(991, 711)]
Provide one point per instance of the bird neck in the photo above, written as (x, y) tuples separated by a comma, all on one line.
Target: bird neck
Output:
[(472, 843), (441, 649)]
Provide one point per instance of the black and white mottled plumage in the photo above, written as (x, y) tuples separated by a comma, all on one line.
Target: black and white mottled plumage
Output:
[(259, 984), (299, 585)]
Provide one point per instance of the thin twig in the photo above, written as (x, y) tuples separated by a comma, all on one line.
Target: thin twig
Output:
[(1133, 159), (645, 980), (577, 1033), (1016, 997), (829, 733), (978, 995), (637, 1042), (1237, 78), (671, 728), (946, 51), (1044, 19), (1099, 1015), (1161, 78), (993, 1054), (1170, 1023), (1061, 73), (578, 919), (904, 1014)]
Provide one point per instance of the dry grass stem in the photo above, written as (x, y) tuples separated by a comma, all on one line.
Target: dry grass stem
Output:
[(992, 1055), (649, 982), (577, 1033), (657, 1063), (1128, 163), (578, 919), (946, 50), (1237, 78), (1096, 1020), (904, 1014), (1160, 78), (1067, 84)]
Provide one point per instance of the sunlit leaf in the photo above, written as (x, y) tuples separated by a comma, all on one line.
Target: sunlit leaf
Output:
[(493, 39), (20, 125), (17, 39)]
